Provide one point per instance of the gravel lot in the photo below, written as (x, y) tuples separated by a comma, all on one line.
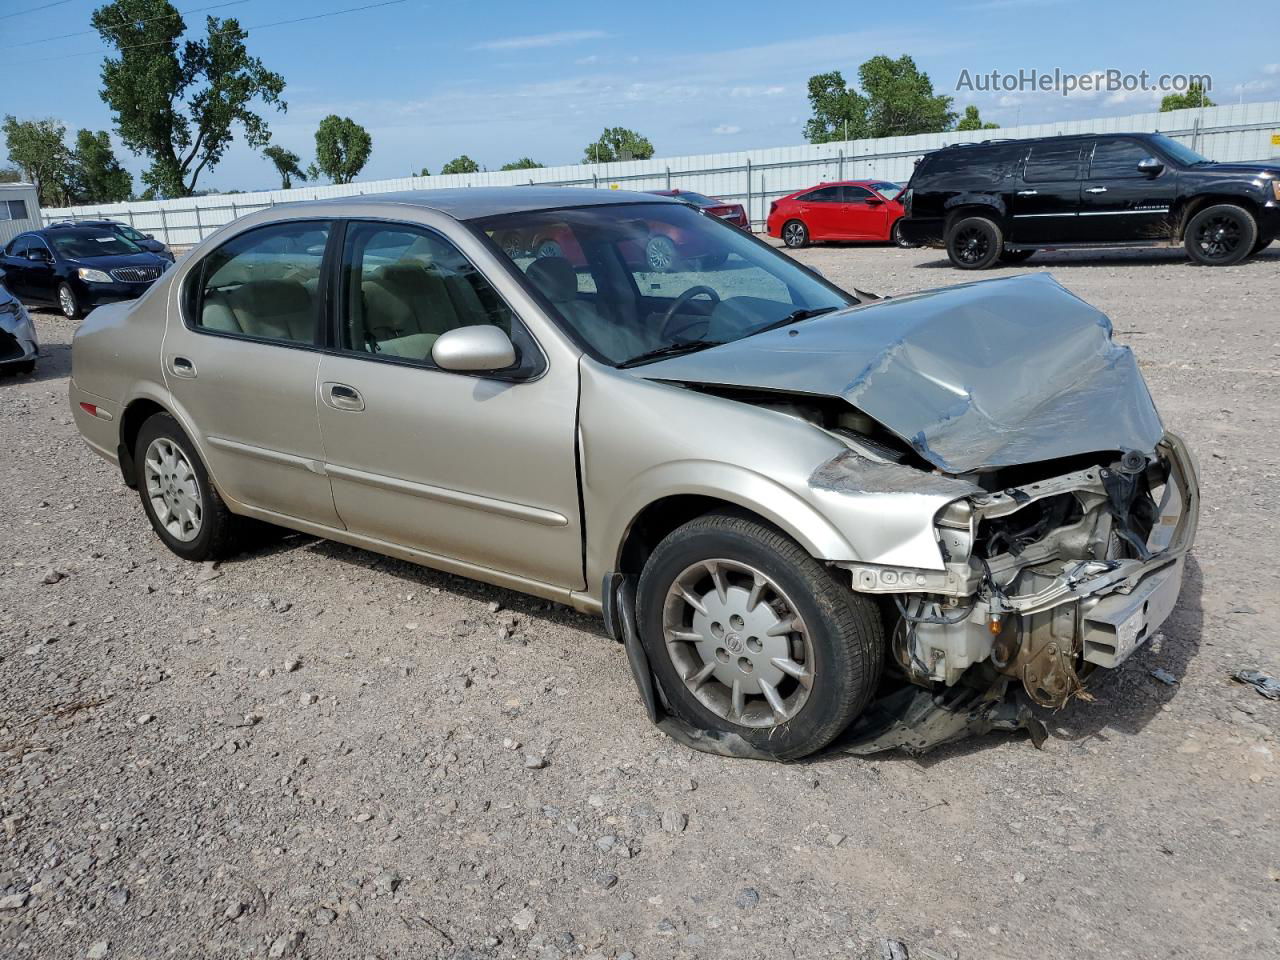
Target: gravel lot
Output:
[(313, 751)]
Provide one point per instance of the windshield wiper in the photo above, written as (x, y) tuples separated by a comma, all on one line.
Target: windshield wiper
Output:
[(670, 350), (795, 316)]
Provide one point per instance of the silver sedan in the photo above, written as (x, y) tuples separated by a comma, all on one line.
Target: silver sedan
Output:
[(809, 513)]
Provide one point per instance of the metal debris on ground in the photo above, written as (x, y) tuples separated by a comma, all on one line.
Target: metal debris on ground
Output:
[(1164, 676), (893, 950), (1264, 683)]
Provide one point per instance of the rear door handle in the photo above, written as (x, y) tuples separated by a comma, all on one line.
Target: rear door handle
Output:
[(182, 367), (1096, 190), (340, 396), (1027, 193)]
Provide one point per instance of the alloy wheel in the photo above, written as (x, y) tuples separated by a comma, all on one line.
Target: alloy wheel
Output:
[(172, 489), (661, 254), (67, 301), (738, 643), (972, 244), (1219, 237), (793, 234)]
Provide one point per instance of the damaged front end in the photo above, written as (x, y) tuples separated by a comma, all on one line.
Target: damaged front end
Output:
[(1046, 580)]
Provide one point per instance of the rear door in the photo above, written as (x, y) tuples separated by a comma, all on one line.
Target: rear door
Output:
[(478, 468), (1046, 200), (241, 354), (1119, 202), (14, 263), (820, 210)]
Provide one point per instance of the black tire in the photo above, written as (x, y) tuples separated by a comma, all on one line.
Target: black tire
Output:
[(795, 234), (1015, 256), (69, 303), (1262, 244), (25, 369), (219, 528), (974, 243), (1221, 235), (896, 237), (845, 631)]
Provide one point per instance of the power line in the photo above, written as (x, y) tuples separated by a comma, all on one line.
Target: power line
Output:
[(166, 16), (46, 6), (259, 26)]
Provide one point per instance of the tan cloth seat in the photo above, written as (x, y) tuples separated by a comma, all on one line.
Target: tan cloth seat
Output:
[(558, 281), (276, 309)]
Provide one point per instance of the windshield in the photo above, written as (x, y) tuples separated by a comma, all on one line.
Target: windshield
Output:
[(697, 199), (887, 189), (1183, 155), (81, 244), (631, 279), (129, 233)]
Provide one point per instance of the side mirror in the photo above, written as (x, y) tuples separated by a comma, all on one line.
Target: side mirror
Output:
[(1150, 166), (148, 236), (473, 349), (874, 201), (38, 254)]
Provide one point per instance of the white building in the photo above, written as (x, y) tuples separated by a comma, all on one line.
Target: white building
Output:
[(19, 210)]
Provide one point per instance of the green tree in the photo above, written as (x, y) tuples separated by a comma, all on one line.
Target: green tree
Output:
[(1194, 97), (37, 148), (971, 121), (618, 143), (839, 112), (524, 163), (462, 164), (286, 164), (342, 148), (178, 105), (96, 174), (896, 100), (424, 172)]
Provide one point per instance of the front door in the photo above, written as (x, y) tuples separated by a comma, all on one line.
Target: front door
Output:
[(862, 214), (1121, 202), (820, 211), (39, 279), (475, 468), (241, 355), (1046, 198)]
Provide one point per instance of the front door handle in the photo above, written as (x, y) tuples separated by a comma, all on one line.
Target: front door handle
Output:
[(340, 396), (1096, 190), (182, 367), (1027, 193)]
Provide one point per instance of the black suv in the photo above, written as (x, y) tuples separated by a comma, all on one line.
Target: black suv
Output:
[(1001, 200)]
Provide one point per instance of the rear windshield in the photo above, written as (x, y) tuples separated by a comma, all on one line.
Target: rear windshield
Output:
[(81, 244)]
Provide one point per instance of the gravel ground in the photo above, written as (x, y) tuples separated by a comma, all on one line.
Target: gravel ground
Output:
[(314, 751)]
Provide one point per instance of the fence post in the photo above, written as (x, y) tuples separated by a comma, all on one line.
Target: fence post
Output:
[(164, 225), (129, 214), (749, 219), (595, 181), (199, 225), (841, 166), (668, 178)]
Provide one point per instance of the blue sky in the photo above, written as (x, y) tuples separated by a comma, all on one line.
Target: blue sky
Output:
[(498, 80)]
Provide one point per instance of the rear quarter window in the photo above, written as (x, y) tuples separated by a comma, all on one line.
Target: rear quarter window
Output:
[(967, 168)]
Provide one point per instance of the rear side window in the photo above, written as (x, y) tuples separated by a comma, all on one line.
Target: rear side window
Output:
[(263, 284), (1117, 160), (824, 195), (404, 286), (1053, 161), (967, 168)]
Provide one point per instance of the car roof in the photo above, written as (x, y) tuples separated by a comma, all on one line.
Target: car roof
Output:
[(472, 203), (1003, 141)]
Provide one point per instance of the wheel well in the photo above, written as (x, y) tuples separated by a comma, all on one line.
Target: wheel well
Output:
[(973, 210), (1194, 205), (661, 517), (135, 415)]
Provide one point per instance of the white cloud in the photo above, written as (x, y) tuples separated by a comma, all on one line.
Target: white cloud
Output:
[(541, 40), (726, 129), (1253, 86), (1272, 68), (587, 61)]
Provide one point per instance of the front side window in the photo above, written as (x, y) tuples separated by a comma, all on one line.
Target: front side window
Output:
[(264, 283), (82, 243), (1117, 160), (854, 194), (129, 233), (19, 247), (626, 280), (404, 286), (1053, 161)]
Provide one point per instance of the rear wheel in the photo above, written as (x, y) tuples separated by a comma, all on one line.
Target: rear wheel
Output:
[(185, 510), (974, 243), (1221, 235), (1015, 256), (748, 634), (795, 234)]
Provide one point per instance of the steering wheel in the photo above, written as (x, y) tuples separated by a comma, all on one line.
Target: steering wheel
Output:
[(666, 334)]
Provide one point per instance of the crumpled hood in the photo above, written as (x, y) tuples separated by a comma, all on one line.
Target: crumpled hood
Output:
[(980, 375)]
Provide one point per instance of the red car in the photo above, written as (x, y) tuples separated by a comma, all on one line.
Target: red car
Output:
[(865, 210), (733, 213)]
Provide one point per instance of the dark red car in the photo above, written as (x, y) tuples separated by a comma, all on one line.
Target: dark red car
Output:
[(733, 213), (854, 210)]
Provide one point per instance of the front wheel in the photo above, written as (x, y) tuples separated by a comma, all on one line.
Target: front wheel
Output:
[(1221, 235), (748, 634), (974, 243), (795, 234), (68, 303), (185, 510)]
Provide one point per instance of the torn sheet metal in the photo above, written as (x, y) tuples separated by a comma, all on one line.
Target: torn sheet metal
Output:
[(980, 375), (1264, 683)]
